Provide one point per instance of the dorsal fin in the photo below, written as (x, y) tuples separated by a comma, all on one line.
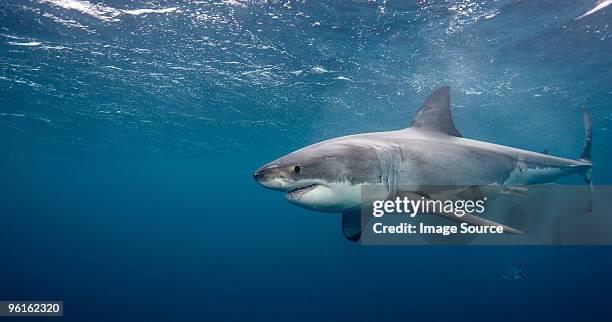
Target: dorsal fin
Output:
[(435, 114)]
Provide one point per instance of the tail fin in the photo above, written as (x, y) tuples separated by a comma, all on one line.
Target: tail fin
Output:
[(587, 174), (588, 135), (586, 148)]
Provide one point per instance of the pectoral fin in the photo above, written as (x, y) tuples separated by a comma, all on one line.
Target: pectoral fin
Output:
[(351, 225)]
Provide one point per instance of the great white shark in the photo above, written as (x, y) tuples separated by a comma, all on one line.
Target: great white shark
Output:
[(329, 176)]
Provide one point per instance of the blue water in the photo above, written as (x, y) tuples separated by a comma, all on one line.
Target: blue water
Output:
[(128, 138)]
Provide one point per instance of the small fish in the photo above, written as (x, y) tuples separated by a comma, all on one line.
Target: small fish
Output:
[(515, 273)]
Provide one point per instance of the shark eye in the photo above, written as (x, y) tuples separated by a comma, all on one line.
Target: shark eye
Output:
[(297, 169)]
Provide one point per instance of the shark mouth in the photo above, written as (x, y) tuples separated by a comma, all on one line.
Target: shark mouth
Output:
[(297, 192)]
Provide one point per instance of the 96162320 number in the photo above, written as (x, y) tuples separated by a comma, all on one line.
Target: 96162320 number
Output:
[(31, 308)]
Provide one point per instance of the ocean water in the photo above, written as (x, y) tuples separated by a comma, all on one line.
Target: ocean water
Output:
[(129, 131)]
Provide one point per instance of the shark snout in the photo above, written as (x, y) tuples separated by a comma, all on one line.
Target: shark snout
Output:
[(263, 172), (270, 176), (258, 175)]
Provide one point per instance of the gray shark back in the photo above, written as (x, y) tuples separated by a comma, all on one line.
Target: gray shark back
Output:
[(433, 152), (435, 159)]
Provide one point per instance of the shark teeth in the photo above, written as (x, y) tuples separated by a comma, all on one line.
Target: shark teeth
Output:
[(300, 191)]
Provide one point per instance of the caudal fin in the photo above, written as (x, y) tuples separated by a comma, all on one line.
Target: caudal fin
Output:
[(587, 173), (586, 148), (588, 136)]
